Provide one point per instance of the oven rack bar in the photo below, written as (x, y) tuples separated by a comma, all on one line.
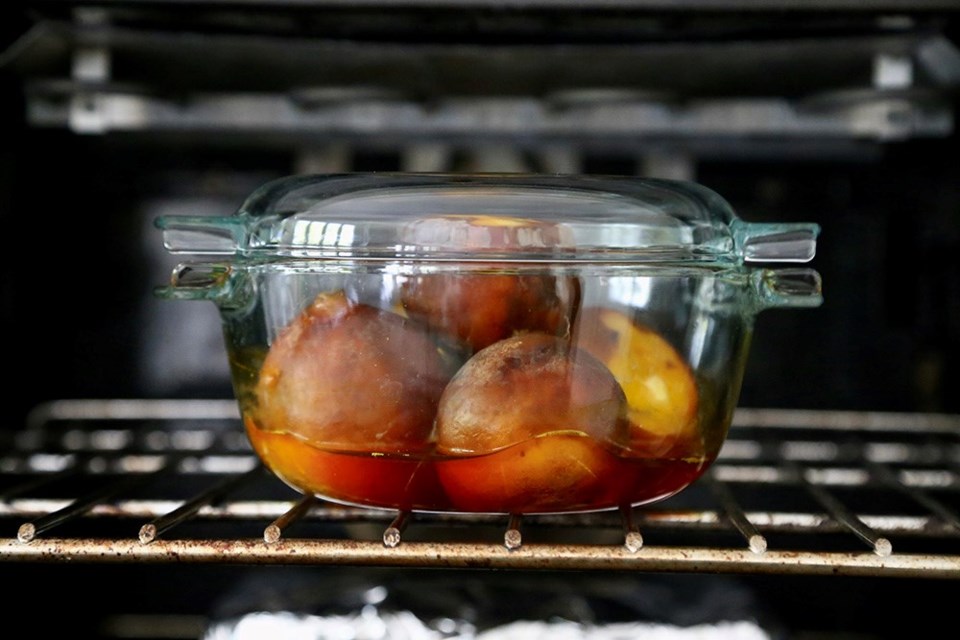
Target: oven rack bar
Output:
[(117, 410), (484, 556), (705, 520), (829, 458)]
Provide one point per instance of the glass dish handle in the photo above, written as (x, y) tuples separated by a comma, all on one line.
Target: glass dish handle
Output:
[(212, 281), (775, 242), (788, 288), (206, 235)]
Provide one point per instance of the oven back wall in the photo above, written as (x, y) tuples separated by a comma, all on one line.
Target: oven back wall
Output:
[(78, 294), (116, 114)]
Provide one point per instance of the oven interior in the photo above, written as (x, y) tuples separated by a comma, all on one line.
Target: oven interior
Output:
[(130, 502)]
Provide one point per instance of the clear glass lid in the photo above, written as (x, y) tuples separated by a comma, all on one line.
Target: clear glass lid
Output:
[(502, 217)]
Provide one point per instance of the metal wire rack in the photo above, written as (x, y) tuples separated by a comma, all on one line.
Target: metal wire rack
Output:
[(793, 492)]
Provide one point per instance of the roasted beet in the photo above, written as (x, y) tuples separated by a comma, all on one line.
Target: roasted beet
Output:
[(661, 391), (491, 301), (343, 387), (530, 425)]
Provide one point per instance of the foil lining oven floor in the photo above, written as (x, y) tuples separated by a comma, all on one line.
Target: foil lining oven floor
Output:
[(794, 492)]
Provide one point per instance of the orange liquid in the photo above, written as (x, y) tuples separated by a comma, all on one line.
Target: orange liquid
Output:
[(399, 482), (543, 475), (553, 476), (554, 473)]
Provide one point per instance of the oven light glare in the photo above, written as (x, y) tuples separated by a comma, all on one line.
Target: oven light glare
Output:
[(49, 463), (937, 479), (110, 439), (192, 440), (810, 451)]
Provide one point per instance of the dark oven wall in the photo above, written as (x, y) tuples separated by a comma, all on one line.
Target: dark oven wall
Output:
[(117, 112)]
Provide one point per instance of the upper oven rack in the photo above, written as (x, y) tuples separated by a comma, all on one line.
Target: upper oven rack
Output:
[(794, 492), (557, 81)]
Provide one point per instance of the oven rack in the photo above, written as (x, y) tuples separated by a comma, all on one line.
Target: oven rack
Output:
[(793, 492)]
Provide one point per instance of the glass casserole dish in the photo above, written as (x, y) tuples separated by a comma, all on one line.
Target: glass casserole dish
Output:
[(488, 343)]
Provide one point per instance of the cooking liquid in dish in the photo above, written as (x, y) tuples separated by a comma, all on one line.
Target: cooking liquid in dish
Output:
[(490, 483), (551, 473)]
